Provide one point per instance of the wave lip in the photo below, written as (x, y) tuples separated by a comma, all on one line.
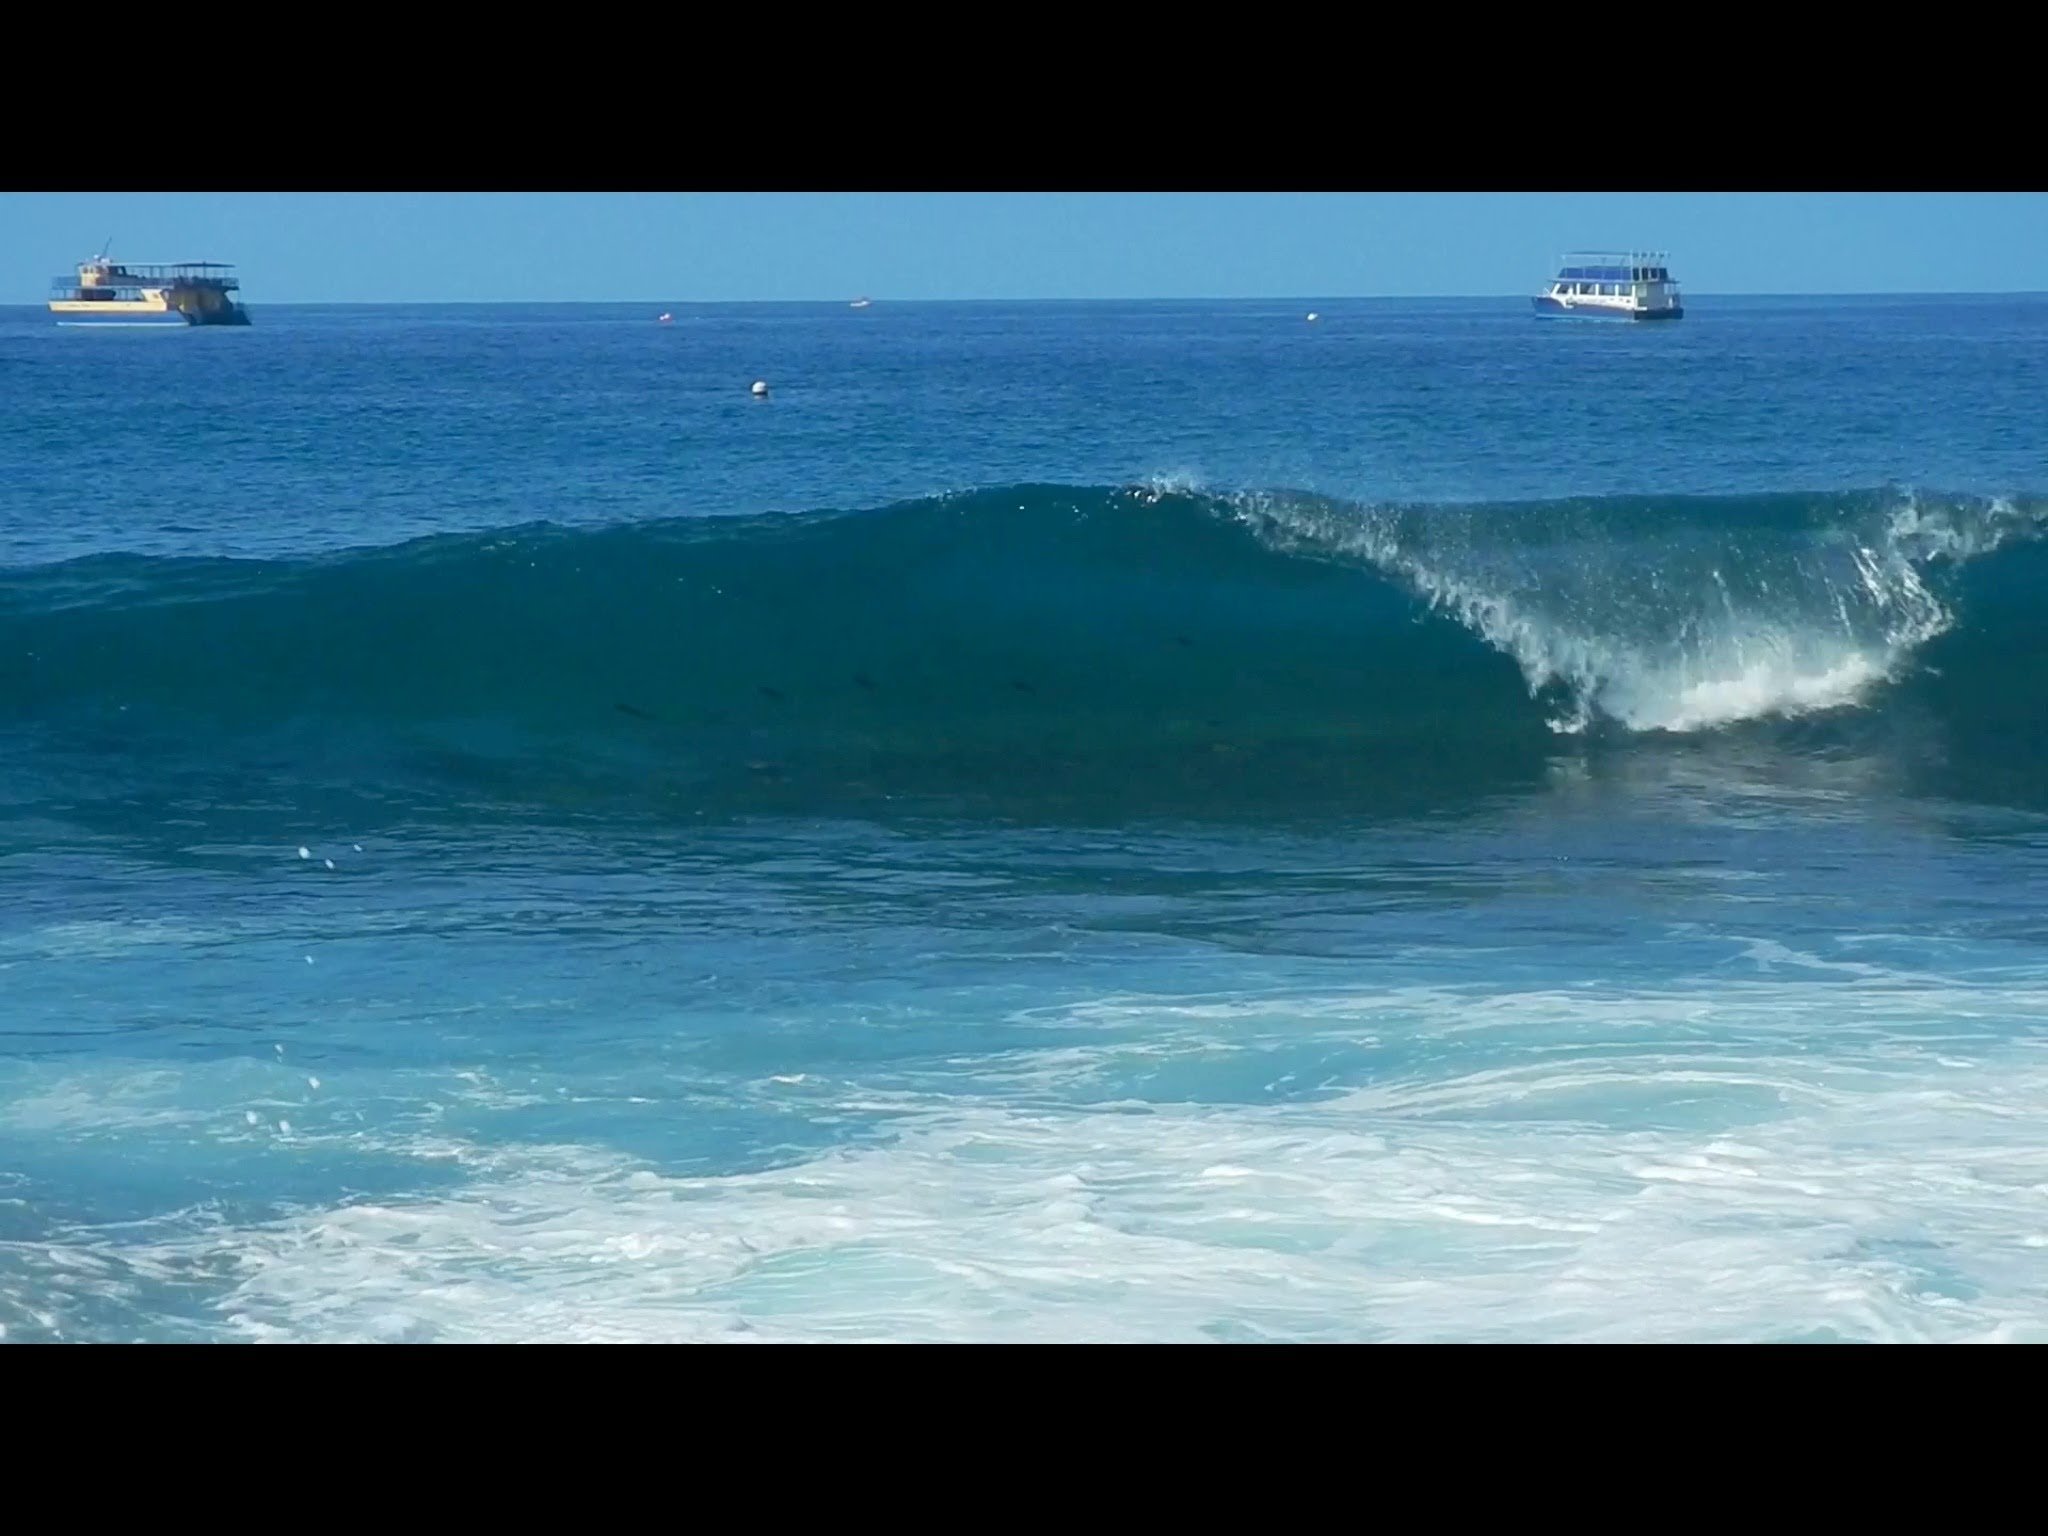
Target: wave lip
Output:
[(1682, 615)]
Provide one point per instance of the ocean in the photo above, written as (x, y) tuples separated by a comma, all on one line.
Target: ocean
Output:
[(1104, 822)]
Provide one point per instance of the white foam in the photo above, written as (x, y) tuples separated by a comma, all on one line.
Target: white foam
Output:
[(1156, 488), (78, 1104), (1638, 1166), (1316, 1232), (1574, 1163), (1787, 686), (105, 939)]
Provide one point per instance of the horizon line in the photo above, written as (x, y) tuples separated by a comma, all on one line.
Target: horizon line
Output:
[(1269, 298)]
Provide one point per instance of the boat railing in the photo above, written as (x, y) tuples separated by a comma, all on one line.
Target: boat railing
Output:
[(1587, 274), (212, 274)]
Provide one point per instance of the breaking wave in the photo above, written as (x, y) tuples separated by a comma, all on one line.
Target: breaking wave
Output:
[(1106, 642)]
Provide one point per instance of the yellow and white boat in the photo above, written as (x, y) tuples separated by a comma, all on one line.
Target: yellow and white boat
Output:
[(128, 293)]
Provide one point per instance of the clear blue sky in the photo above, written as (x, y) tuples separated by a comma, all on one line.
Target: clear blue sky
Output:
[(687, 247)]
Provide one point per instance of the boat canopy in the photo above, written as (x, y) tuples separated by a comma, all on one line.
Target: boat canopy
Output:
[(213, 272), (1614, 267)]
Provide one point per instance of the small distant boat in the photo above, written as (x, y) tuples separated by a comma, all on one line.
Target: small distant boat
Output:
[(129, 293), (666, 318), (1612, 285), (858, 304)]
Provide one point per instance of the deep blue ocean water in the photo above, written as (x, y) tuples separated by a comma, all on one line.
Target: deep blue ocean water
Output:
[(1104, 822)]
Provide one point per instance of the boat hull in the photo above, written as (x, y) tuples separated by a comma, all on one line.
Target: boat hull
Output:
[(94, 320), (1557, 309), (144, 314)]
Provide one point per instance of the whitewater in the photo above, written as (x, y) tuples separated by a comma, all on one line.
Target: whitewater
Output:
[(1112, 823)]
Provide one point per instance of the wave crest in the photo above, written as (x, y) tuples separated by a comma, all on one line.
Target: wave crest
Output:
[(1122, 643)]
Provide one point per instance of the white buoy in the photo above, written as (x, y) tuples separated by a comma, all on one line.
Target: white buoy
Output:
[(760, 387), (305, 853), (1313, 315)]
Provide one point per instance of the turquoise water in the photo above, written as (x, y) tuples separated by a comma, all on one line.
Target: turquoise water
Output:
[(1114, 822)]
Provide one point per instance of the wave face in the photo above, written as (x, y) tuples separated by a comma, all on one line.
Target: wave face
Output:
[(1111, 646)]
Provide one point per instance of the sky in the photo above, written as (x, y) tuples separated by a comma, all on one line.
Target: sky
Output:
[(669, 247)]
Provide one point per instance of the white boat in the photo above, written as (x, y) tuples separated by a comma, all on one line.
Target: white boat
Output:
[(1612, 285), (128, 293)]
